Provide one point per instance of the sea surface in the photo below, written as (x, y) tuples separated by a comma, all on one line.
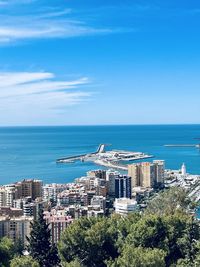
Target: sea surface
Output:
[(31, 152)]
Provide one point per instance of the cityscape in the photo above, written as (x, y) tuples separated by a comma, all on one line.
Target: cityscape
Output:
[(99, 133), (98, 193)]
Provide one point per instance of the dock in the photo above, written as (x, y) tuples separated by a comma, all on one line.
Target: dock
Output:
[(110, 159)]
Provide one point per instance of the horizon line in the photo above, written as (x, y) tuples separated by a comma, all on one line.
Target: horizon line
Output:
[(98, 125)]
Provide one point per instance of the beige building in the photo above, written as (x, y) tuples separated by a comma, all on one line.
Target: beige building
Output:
[(134, 173), (29, 188), (146, 174), (159, 170), (23, 189), (15, 227), (11, 212)]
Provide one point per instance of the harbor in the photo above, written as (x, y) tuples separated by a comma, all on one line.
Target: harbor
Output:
[(111, 159)]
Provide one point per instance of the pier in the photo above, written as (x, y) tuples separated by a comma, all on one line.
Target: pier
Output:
[(182, 145), (70, 159), (110, 159), (101, 149)]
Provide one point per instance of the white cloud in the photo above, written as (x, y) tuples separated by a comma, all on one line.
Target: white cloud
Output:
[(8, 79), (38, 94), (40, 25), (12, 2), (48, 30)]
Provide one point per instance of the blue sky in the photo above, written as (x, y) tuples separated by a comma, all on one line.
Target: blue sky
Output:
[(99, 62)]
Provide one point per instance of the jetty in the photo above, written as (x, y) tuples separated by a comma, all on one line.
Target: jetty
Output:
[(101, 149), (181, 145), (111, 159)]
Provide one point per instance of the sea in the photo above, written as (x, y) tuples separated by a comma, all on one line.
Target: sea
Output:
[(31, 152)]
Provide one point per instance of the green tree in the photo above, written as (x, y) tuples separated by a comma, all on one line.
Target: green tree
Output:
[(175, 234), (73, 244), (140, 257), (74, 263), (136, 240), (18, 247), (6, 251), (92, 241), (184, 263), (40, 247), (168, 202), (24, 261)]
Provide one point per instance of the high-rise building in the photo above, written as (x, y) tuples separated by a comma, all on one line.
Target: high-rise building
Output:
[(146, 174), (7, 195), (110, 178), (58, 221), (15, 227), (159, 166), (123, 187), (23, 189), (29, 188), (97, 174), (134, 173)]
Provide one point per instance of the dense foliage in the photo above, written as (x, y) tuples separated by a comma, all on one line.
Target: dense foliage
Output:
[(164, 235), (149, 240), (6, 251), (24, 261), (169, 201)]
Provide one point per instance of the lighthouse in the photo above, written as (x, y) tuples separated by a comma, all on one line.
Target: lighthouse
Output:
[(183, 169)]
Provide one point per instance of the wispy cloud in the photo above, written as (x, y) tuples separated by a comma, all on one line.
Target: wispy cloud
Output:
[(13, 2), (39, 93), (46, 24), (45, 29)]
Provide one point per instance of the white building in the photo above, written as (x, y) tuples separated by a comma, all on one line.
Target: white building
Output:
[(95, 213), (99, 201), (124, 206), (50, 191), (7, 195), (183, 169)]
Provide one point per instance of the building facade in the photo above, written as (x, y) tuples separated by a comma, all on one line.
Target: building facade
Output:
[(123, 187), (58, 221), (124, 206), (15, 228), (147, 174)]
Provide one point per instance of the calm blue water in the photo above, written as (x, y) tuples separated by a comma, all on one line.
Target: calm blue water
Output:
[(30, 152)]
